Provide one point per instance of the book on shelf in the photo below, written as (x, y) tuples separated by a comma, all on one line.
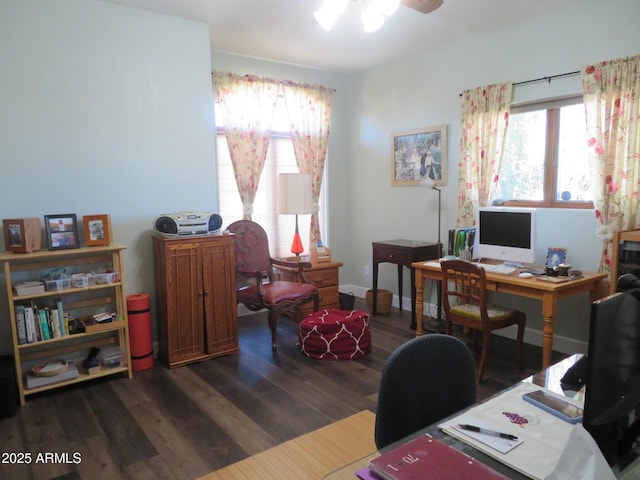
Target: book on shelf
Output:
[(30, 324), (64, 326), (425, 455), (45, 334), (21, 326)]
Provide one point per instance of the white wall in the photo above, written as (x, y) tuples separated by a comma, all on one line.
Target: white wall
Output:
[(105, 109), (423, 89)]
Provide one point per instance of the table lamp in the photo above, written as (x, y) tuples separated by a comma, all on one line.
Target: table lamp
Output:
[(431, 184), (295, 198)]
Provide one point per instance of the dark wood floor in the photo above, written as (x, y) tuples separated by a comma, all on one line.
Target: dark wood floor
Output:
[(184, 423)]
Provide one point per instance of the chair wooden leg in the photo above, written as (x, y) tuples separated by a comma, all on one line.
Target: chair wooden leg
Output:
[(273, 325), (486, 340), (520, 342)]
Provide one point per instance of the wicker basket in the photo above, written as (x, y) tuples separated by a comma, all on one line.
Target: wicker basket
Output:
[(383, 301)]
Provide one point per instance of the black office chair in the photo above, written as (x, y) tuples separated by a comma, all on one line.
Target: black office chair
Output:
[(423, 381)]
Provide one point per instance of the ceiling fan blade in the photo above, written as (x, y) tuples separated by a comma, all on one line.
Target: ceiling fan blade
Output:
[(422, 6)]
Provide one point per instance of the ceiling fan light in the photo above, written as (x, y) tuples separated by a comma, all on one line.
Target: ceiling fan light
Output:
[(387, 7), (330, 12), (372, 19)]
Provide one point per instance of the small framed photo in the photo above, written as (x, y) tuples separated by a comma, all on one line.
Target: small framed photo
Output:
[(418, 154), (97, 230), (62, 231), (22, 235), (555, 257)]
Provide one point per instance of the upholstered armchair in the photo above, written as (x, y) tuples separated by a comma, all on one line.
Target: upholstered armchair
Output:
[(257, 287)]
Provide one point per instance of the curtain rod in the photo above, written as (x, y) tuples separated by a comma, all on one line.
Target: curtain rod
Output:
[(548, 79)]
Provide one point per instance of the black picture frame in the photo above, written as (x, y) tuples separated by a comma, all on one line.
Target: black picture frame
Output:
[(62, 231)]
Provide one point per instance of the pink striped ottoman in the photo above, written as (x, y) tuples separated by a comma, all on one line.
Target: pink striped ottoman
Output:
[(335, 334)]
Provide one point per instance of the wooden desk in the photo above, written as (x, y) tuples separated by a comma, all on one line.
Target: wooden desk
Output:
[(548, 293), (310, 456), (403, 253)]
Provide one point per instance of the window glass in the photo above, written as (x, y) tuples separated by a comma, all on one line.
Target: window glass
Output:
[(574, 182)]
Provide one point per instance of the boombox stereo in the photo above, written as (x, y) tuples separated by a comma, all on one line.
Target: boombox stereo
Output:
[(187, 223)]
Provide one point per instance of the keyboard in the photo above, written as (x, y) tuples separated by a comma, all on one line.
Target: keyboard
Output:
[(500, 268)]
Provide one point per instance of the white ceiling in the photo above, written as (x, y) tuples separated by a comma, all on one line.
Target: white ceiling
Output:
[(285, 30)]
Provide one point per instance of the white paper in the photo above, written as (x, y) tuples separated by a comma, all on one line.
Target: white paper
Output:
[(581, 458), (503, 445)]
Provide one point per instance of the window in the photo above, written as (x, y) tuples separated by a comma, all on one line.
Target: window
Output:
[(545, 160), (280, 159)]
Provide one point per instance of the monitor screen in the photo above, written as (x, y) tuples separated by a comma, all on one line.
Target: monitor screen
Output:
[(612, 398), (506, 233)]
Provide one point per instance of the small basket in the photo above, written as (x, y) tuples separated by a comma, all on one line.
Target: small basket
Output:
[(347, 300), (50, 369), (383, 304)]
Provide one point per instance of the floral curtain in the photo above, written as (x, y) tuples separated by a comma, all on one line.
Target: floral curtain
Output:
[(309, 110), (248, 105), (485, 117), (612, 104)]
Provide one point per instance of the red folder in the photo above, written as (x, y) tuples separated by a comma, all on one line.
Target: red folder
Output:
[(426, 457)]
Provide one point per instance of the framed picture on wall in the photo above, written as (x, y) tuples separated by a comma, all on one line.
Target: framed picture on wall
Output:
[(62, 231), (97, 230), (419, 153)]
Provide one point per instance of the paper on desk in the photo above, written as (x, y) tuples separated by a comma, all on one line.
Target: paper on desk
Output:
[(543, 435), (581, 458), (503, 445)]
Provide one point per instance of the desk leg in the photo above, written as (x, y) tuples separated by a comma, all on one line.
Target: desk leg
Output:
[(374, 294), (419, 300), (413, 298), (400, 287), (549, 301)]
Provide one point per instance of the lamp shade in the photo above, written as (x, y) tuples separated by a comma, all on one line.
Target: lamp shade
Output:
[(294, 194)]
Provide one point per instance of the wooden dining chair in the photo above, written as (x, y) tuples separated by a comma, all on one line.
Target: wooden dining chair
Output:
[(257, 288), (464, 299)]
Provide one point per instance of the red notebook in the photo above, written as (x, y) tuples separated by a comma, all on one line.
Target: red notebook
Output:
[(424, 456)]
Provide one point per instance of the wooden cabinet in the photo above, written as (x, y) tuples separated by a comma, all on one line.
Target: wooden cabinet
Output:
[(79, 302), (323, 275), (625, 257), (196, 297)]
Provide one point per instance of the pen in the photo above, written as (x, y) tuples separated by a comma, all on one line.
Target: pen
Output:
[(485, 431)]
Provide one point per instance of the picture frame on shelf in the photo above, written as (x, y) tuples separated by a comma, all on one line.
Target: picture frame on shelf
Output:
[(419, 153), (62, 231), (97, 230), (555, 256), (22, 235)]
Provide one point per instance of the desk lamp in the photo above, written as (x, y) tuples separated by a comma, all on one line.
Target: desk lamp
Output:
[(431, 184), (295, 198)]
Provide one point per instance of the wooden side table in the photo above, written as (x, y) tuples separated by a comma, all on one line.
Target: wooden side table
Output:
[(402, 253), (325, 276)]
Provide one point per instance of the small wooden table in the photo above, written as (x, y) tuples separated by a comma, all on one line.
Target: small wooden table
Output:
[(403, 253), (549, 293)]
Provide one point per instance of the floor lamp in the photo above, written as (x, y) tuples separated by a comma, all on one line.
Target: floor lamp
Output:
[(295, 198), (431, 184)]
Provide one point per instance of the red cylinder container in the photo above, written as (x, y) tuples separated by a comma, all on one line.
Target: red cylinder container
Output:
[(139, 313)]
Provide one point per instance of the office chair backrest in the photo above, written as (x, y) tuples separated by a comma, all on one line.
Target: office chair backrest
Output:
[(423, 381)]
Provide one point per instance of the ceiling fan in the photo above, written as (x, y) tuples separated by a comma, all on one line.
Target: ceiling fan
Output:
[(373, 12), (422, 6)]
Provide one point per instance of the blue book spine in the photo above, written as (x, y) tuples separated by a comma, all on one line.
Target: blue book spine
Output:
[(44, 325)]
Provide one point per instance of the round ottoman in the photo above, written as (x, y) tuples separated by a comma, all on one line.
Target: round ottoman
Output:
[(335, 334)]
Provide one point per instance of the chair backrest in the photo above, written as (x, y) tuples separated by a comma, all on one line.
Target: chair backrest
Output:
[(423, 381), (251, 248), (464, 283)]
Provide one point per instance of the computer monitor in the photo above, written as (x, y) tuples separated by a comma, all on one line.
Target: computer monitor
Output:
[(612, 397), (506, 233)]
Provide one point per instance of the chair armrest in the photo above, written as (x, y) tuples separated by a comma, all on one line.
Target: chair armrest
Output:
[(293, 267)]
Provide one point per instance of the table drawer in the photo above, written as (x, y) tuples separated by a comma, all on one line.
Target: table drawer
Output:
[(392, 255), (322, 278)]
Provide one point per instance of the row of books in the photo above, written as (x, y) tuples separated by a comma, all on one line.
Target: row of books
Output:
[(35, 324), (461, 240)]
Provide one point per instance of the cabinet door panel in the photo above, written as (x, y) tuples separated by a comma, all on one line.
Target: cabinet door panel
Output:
[(220, 297), (184, 302)]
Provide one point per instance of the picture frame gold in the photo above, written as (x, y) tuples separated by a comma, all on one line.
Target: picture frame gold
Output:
[(22, 235), (97, 230), (62, 231), (419, 153)]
